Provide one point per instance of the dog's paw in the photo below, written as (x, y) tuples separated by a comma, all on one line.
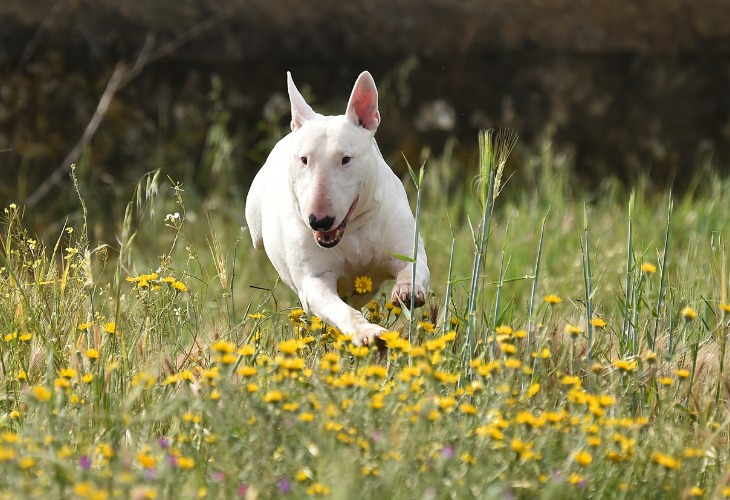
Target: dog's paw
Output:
[(367, 334), (402, 291)]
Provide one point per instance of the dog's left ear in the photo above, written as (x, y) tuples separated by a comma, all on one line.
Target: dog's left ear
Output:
[(363, 106)]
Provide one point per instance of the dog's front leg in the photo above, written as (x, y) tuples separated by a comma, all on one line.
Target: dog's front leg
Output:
[(318, 294), (403, 273)]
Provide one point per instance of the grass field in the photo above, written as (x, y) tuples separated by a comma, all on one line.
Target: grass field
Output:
[(584, 355)]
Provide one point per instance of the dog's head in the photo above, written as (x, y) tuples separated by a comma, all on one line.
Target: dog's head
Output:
[(331, 159)]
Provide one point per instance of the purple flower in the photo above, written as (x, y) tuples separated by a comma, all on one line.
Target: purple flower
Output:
[(84, 462), (172, 460), (447, 452), (219, 475), (284, 485), (242, 489), (163, 442)]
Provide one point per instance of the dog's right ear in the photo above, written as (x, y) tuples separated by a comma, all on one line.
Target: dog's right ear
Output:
[(300, 110)]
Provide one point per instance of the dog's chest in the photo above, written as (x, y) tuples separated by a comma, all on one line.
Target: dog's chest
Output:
[(360, 254)]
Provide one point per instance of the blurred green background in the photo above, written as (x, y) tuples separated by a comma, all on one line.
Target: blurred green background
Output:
[(622, 91)]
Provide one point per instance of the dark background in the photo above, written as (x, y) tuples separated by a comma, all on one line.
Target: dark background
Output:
[(629, 90)]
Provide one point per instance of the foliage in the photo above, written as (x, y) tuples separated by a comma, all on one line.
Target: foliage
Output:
[(154, 369)]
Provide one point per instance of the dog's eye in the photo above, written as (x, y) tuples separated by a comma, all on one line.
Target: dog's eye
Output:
[(304, 160), (346, 159)]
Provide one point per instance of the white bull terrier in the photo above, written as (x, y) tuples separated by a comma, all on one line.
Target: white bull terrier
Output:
[(326, 208)]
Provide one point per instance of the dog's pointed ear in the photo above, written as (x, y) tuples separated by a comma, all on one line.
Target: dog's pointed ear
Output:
[(363, 106), (300, 110)]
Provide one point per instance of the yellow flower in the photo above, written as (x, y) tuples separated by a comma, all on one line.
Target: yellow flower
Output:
[(246, 371), (553, 299), (694, 452), (689, 314), (295, 316), (92, 354), (532, 390), (503, 330), (87, 378), (306, 417), (273, 396), (26, 463), (681, 373), (666, 461), (517, 445), (575, 478), (583, 458), (725, 307), (467, 408), (446, 378), (24, 337), (68, 373), (543, 354), (573, 331), (146, 460), (318, 489), (377, 401), (185, 463), (223, 347), (427, 326), (41, 393), (180, 286), (648, 268), (289, 346), (359, 352), (247, 350), (598, 322), (667, 381), (363, 285), (512, 363), (696, 491), (375, 371), (508, 349), (84, 326), (625, 365), (110, 328)]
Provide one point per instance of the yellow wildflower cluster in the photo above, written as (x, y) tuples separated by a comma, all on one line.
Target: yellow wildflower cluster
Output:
[(154, 283)]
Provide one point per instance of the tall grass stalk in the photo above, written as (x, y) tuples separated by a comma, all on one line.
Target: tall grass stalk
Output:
[(662, 272), (449, 287), (494, 149), (500, 285), (533, 293), (627, 323), (588, 283), (722, 331), (418, 181)]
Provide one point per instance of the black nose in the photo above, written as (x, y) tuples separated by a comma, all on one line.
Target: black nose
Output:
[(323, 224)]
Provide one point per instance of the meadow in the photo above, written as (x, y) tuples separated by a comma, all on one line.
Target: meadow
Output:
[(574, 345)]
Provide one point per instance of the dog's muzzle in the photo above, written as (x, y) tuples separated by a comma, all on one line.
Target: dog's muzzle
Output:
[(329, 239)]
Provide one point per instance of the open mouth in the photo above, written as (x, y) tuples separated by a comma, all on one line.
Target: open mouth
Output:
[(329, 239)]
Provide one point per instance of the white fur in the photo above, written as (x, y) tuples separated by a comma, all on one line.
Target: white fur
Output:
[(287, 193)]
